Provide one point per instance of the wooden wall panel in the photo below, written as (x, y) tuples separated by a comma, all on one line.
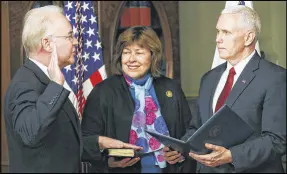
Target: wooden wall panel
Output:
[(109, 11), (17, 11), (5, 74)]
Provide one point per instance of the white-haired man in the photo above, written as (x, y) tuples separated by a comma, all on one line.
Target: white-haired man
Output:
[(42, 126), (254, 88)]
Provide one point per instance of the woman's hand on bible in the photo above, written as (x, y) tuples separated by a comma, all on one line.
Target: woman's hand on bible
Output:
[(126, 162)]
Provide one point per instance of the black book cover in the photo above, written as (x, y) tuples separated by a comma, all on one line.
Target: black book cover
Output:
[(225, 128), (120, 153)]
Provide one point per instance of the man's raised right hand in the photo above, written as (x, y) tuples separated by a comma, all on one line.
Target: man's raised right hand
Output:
[(54, 70)]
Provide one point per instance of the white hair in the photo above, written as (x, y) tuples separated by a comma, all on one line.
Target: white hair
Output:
[(248, 18), (36, 22)]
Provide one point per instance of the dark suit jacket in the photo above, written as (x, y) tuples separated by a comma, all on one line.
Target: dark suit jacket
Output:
[(42, 126), (259, 98), (109, 110)]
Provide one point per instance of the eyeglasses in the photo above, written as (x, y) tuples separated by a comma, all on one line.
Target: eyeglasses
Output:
[(70, 37)]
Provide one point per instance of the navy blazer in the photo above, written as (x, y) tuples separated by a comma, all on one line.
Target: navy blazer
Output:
[(259, 98), (42, 126), (109, 111)]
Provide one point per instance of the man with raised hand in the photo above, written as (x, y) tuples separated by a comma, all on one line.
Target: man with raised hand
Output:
[(42, 126)]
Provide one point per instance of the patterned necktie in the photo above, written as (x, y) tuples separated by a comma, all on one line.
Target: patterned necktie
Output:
[(226, 89)]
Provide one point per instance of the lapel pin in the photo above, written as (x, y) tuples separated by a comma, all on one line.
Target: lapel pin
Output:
[(244, 81), (168, 93)]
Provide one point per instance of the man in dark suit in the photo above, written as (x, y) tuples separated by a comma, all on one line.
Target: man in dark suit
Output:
[(42, 126), (254, 88)]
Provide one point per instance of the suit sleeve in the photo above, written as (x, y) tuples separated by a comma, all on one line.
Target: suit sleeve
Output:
[(33, 113), (272, 142), (93, 125)]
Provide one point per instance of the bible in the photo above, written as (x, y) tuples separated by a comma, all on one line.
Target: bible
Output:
[(225, 128), (123, 153)]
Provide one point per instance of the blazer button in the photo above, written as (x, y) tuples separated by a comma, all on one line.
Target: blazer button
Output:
[(51, 102)]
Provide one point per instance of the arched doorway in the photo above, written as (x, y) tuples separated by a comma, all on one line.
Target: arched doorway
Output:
[(158, 22)]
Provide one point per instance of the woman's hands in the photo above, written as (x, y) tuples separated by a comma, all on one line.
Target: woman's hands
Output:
[(126, 162)]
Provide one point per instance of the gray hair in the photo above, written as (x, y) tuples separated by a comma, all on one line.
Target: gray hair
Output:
[(248, 18), (36, 22)]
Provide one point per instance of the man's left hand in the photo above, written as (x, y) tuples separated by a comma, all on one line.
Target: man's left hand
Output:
[(218, 156)]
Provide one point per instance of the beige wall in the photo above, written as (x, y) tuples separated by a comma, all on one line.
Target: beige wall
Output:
[(197, 20)]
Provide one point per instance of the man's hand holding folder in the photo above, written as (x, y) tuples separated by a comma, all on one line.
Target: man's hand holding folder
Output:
[(219, 155), (172, 156), (209, 144)]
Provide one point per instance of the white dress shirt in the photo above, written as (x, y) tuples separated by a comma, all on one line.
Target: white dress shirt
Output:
[(238, 69), (45, 70), (72, 96)]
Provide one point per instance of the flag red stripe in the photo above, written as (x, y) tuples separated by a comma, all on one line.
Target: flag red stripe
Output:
[(81, 100), (96, 78)]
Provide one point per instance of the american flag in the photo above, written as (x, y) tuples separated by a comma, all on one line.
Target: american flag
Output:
[(88, 69)]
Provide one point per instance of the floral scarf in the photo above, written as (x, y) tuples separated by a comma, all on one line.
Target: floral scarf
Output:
[(147, 115)]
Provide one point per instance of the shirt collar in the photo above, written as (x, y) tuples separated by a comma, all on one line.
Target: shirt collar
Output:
[(240, 65), (41, 66)]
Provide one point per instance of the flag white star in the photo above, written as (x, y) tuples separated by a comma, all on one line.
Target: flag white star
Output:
[(93, 19), (85, 67), (68, 68), (88, 43), (69, 5), (98, 44), (85, 6), (90, 32), (68, 17), (96, 57), (86, 56), (75, 80), (83, 19)]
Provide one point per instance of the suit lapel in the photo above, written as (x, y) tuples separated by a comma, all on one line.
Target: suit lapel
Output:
[(37, 71), (128, 111), (243, 80), (160, 91), (68, 107), (165, 102), (213, 84), (72, 114)]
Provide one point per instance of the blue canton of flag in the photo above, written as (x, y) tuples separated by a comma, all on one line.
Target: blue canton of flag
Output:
[(88, 69), (241, 3)]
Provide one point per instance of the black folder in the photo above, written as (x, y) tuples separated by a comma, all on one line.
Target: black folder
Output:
[(225, 128)]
